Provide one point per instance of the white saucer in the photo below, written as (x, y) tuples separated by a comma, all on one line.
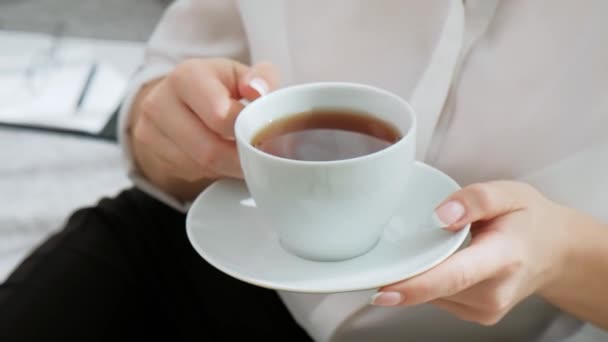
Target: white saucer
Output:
[(225, 228)]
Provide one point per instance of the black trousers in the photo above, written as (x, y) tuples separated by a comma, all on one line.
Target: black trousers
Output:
[(124, 270)]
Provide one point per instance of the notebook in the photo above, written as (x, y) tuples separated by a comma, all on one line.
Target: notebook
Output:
[(44, 83)]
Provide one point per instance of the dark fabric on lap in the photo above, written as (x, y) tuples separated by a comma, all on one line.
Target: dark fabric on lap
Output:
[(125, 270)]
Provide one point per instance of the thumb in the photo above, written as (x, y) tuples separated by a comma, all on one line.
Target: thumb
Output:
[(481, 202), (258, 81)]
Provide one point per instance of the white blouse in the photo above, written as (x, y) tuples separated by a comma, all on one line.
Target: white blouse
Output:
[(503, 90)]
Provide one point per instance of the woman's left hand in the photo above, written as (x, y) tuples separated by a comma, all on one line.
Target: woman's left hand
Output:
[(519, 241)]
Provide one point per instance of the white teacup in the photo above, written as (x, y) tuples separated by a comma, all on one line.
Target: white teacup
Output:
[(328, 210)]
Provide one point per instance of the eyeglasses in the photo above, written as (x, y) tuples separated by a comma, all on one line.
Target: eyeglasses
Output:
[(33, 75)]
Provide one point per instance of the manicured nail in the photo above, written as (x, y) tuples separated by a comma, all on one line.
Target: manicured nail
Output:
[(259, 85), (386, 298), (448, 213)]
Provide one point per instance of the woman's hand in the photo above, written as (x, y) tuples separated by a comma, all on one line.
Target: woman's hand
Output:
[(519, 245), (182, 126)]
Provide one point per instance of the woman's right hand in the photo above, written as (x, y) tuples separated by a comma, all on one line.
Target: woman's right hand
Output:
[(181, 128)]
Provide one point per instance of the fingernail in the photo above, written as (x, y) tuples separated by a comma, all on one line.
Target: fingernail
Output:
[(259, 85), (386, 298), (448, 213)]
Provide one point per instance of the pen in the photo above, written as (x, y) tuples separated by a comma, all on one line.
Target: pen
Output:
[(87, 85)]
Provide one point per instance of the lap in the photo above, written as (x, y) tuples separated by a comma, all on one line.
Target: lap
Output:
[(125, 268)]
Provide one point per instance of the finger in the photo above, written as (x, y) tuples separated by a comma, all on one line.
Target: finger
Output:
[(467, 297), (258, 81), (210, 89), (492, 296), (481, 201), (214, 106), (475, 296), (190, 134), (470, 266), (464, 312), (469, 313), (171, 158)]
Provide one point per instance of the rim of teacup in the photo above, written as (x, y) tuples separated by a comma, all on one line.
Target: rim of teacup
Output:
[(405, 139)]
